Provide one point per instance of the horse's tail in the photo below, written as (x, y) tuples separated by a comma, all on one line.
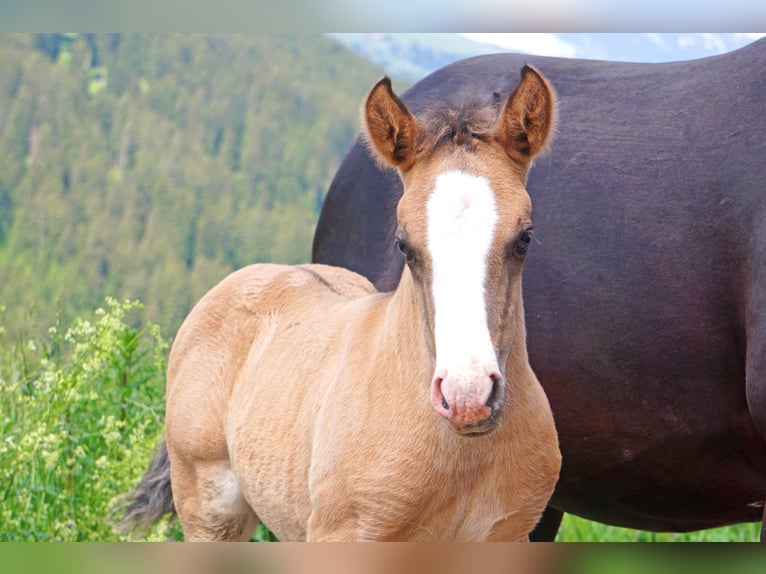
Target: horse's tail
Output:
[(152, 498)]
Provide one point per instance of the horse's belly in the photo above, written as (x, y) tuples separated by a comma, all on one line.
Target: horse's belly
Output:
[(683, 485)]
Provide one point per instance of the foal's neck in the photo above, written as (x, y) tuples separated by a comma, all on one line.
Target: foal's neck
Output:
[(403, 326)]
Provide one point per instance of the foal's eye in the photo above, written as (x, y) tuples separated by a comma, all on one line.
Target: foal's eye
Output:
[(522, 243), (404, 249)]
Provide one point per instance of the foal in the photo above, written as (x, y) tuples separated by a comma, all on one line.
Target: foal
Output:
[(301, 397)]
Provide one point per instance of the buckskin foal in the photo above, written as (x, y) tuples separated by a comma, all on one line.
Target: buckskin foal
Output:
[(301, 397)]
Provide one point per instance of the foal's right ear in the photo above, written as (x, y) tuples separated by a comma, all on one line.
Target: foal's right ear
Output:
[(390, 127)]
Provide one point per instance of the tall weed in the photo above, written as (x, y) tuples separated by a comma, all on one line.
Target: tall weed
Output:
[(81, 414)]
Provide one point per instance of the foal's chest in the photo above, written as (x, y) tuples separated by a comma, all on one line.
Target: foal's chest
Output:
[(411, 496)]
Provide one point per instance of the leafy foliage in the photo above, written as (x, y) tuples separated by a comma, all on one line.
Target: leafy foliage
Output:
[(150, 166), (576, 529), (82, 411)]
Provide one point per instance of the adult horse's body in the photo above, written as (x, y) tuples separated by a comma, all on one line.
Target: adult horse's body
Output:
[(302, 397), (646, 295)]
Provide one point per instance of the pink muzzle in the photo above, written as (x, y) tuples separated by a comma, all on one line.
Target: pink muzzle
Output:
[(469, 401)]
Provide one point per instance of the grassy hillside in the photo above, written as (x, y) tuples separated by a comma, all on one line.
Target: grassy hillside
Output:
[(147, 167)]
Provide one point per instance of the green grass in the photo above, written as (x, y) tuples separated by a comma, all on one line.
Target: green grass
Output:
[(81, 411), (80, 414), (576, 529)]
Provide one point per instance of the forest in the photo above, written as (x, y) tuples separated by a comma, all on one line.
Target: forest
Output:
[(149, 166)]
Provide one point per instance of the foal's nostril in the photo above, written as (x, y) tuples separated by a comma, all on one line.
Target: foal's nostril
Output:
[(496, 380), (444, 403)]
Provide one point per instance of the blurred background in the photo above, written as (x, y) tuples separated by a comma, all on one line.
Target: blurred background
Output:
[(148, 166)]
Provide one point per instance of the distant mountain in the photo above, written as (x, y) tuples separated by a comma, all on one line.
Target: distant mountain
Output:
[(412, 56), (149, 166)]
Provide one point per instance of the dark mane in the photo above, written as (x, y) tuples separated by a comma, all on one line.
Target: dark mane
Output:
[(461, 126)]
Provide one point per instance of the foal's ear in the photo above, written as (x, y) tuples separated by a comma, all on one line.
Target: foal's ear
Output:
[(390, 127), (525, 123)]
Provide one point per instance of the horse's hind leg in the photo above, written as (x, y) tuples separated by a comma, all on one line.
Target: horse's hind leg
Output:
[(755, 365), (548, 526), (210, 504)]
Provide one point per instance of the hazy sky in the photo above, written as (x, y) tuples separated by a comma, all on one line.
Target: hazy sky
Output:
[(549, 44)]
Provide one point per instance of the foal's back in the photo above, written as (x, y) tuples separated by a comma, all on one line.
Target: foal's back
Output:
[(254, 302)]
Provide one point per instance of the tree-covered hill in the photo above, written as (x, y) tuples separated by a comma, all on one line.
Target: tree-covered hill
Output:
[(149, 166)]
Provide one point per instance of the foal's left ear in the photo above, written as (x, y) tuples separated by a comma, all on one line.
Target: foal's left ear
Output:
[(390, 127), (525, 123)]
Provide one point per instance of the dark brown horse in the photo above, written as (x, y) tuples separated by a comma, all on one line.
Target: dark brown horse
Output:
[(646, 291)]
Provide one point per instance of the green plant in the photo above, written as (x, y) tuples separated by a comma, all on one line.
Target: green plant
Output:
[(81, 413), (576, 529)]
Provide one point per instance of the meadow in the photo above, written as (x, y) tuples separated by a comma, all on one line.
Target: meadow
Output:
[(82, 410)]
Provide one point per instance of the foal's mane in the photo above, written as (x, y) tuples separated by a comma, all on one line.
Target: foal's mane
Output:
[(461, 125), (461, 122)]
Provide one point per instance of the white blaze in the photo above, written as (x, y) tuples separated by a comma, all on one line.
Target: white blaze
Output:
[(462, 216)]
